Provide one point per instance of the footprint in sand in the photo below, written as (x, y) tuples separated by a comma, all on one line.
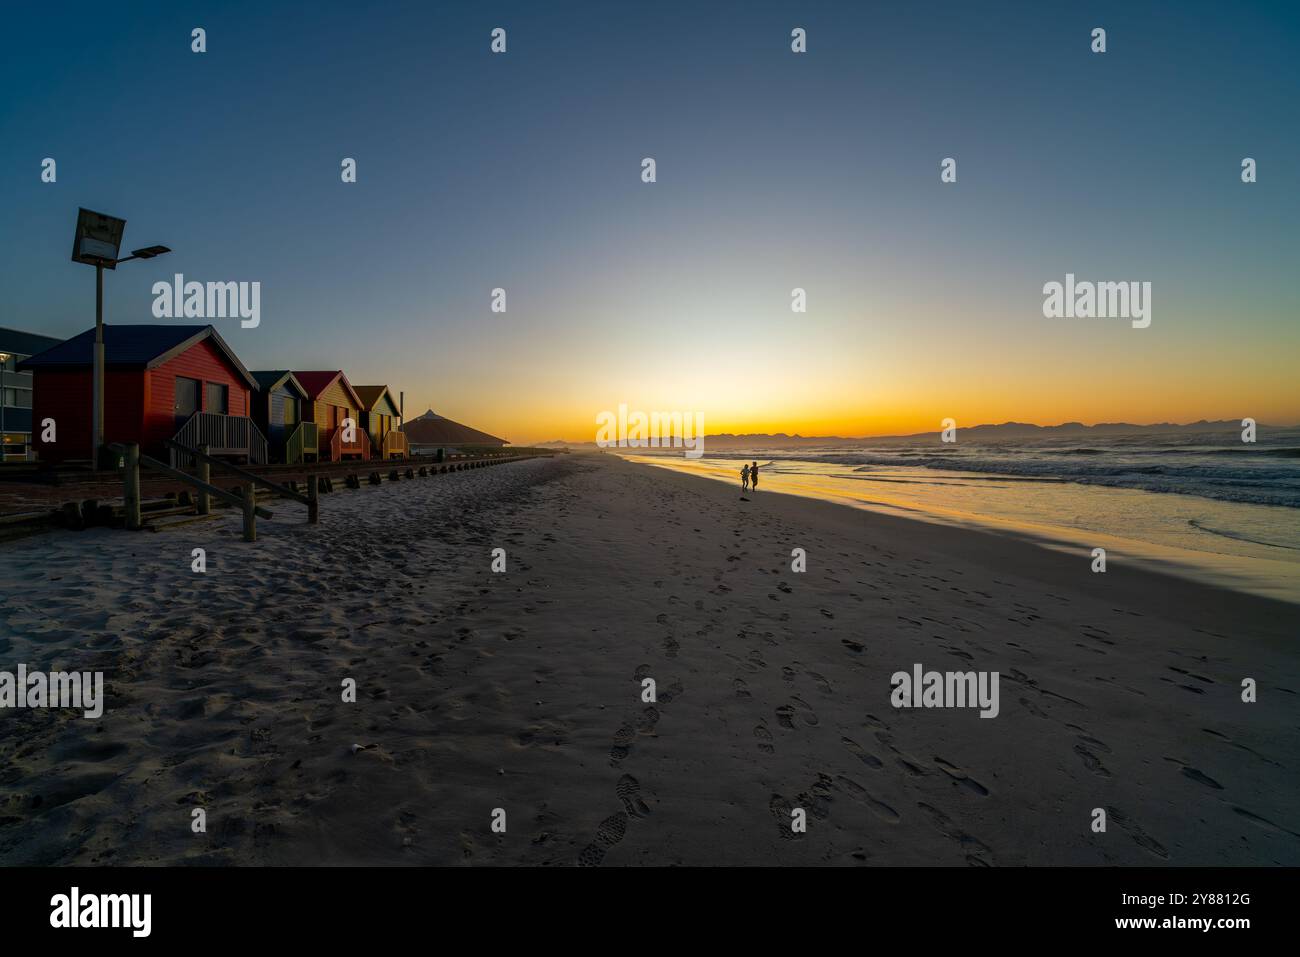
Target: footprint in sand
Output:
[(909, 763), (806, 713), (1032, 708), (968, 842), (780, 809), (1140, 837), (623, 739), (649, 718), (1200, 777), (1227, 740), (862, 754), (742, 689), (608, 833), (787, 713), (1262, 822), (874, 804), (854, 646), (911, 767), (764, 739), (1089, 740), (628, 790), (820, 681), (1091, 761), (961, 777), (672, 691), (1192, 674), (817, 799)]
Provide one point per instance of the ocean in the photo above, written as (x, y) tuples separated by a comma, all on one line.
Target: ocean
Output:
[(1204, 505)]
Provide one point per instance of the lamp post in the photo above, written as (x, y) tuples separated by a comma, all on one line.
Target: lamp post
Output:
[(96, 243), (4, 441)]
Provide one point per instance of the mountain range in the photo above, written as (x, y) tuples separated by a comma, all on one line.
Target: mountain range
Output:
[(988, 432)]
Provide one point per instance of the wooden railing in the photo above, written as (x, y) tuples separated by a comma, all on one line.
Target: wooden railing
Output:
[(360, 446), (222, 434), (304, 441), (395, 444), (246, 501)]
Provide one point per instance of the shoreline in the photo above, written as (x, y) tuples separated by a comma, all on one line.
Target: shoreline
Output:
[(1264, 577), (1176, 596)]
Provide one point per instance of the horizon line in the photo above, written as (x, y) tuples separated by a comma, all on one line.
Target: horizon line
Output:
[(1235, 423)]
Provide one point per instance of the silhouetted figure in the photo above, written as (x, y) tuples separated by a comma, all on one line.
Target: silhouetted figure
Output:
[(744, 478), (753, 475)]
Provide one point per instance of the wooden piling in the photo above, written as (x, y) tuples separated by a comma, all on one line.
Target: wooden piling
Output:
[(131, 487), (313, 501), (250, 512), (205, 476)]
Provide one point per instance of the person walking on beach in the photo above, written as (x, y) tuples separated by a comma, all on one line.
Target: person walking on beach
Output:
[(753, 475), (744, 478)]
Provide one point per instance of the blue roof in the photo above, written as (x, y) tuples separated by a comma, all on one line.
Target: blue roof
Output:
[(123, 346), (140, 347), (25, 343), (268, 379)]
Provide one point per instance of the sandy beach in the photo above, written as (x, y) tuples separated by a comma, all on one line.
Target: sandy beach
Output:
[(522, 691)]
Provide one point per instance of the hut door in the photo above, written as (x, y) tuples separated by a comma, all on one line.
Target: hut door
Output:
[(218, 398), (188, 393)]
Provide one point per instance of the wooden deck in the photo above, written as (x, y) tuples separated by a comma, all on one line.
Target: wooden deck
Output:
[(222, 435), (395, 445), (303, 442), (358, 448)]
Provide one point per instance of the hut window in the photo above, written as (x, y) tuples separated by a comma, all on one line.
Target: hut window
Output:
[(187, 397)]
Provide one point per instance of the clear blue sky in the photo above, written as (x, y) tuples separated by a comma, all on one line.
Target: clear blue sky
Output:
[(775, 171)]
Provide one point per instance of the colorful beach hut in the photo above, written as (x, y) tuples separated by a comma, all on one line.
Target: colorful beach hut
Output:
[(278, 408), (380, 416), (332, 405), (160, 382)]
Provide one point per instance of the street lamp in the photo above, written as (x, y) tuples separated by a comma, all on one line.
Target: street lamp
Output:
[(149, 252), (96, 243)]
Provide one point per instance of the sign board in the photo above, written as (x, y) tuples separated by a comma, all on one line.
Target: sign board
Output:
[(98, 239)]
